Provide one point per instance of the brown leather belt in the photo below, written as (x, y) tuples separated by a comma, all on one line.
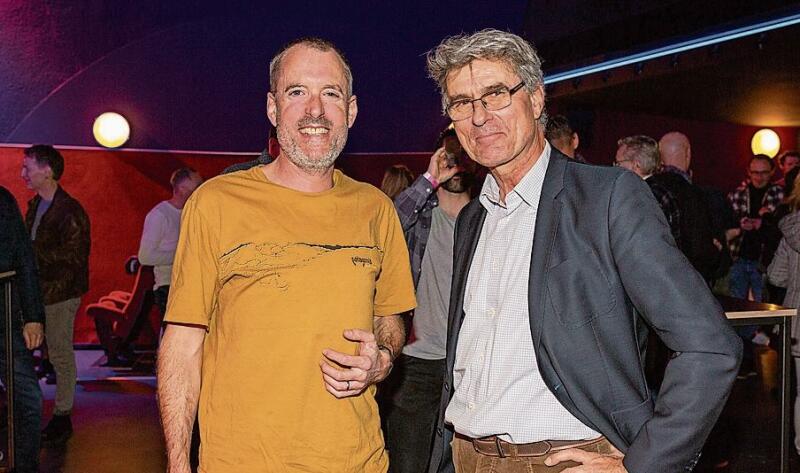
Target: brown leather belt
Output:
[(494, 446)]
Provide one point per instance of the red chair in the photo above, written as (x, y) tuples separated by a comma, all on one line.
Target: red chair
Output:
[(116, 314)]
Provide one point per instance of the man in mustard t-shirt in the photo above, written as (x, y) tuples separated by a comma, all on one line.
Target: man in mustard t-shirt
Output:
[(286, 289)]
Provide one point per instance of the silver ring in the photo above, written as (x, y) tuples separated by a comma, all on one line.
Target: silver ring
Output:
[(348, 385)]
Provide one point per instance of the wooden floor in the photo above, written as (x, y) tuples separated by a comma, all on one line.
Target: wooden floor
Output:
[(115, 421), (117, 430)]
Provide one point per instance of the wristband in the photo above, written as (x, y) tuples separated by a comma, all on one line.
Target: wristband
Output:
[(431, 179)]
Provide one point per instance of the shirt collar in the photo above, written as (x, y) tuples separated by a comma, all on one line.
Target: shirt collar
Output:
[(528, 190)]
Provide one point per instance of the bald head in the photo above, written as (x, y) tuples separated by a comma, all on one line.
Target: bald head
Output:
[(675, 150)]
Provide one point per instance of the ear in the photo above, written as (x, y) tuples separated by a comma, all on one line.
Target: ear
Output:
[(576, 141), (272, 109), (352, 111), (537, 101)]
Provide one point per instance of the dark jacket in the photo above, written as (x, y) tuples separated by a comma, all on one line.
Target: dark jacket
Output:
[(16, 254), (696, 232), (603, 264), (62, 247)]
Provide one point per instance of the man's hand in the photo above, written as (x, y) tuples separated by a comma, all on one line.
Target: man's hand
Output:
[(33, 333), (590, 462), (437, 167), (369, 366)]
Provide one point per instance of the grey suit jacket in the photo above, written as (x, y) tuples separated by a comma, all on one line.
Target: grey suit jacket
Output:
[(604, 266)]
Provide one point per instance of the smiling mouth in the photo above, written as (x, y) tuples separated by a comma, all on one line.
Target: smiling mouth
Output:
[(314, 131)]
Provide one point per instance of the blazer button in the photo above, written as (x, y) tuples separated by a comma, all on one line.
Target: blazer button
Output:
[(447, 386), (439, 431)]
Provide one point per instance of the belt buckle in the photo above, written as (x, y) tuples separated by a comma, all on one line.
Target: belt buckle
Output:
[(499, 446)]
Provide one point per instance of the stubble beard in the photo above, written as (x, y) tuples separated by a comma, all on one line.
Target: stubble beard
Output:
[(296, 154)]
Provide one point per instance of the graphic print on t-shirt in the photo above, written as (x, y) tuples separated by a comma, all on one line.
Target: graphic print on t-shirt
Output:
[(272, 263)]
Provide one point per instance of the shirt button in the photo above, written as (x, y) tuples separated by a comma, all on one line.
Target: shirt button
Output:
[(471, 406), (491, 312)]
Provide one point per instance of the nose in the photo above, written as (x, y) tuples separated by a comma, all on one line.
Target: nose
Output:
[(479, 113), (314, 106)]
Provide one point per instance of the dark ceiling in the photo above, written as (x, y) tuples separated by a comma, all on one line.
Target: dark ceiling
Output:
[(750, 81), (193, 74)]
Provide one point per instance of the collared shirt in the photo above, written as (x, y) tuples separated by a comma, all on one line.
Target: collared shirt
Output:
[(498, 387)]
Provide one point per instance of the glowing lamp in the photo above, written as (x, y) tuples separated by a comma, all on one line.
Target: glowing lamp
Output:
[(766, 141), (111, 130)]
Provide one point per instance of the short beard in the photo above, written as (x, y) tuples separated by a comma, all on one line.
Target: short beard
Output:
[(302, 160), (458, 186)]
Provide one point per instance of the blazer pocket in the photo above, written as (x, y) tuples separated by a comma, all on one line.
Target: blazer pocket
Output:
[(579, 290), (630, 420)]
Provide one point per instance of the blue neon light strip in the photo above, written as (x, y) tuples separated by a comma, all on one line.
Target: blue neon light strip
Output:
[(675, 48)]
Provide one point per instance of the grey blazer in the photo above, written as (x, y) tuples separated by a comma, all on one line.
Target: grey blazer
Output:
[(604, 267)]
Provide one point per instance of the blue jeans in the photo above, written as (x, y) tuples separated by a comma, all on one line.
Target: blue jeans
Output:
[(745, 275), (27, 403)]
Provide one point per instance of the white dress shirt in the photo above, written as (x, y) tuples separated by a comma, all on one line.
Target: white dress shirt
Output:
[(498, 388)]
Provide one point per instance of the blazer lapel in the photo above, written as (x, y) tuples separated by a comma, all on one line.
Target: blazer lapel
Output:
[(464, 250), (547, 217)]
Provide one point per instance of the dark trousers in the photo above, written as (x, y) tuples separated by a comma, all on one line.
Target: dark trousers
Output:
[(27, 403), (411, 407)]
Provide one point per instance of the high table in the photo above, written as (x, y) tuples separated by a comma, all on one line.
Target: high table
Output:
[(743, 312)]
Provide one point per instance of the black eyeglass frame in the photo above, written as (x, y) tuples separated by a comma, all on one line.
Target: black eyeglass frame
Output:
[(511, 93)]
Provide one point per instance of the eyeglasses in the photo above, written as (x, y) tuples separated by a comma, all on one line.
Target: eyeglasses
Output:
[(497, 99)]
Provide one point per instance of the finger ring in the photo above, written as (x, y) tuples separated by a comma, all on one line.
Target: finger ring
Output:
[(348, 385)]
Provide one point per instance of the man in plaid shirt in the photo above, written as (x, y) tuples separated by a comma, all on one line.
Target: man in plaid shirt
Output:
[(753, 204), (428, 211), (640, 154)]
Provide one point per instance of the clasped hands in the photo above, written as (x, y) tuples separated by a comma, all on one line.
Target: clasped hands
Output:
[(349, 375)]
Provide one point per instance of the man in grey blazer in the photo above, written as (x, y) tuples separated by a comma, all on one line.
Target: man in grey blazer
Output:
[(559, 269)]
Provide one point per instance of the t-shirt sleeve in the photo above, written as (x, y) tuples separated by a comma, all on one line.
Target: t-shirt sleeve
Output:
[(394, 290), (195, 283)]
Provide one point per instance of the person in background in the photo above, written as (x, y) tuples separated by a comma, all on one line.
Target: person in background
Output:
[(784, 271), (396, 179), (59, 229), (754, 204), (563, 138), (639, 153), (266, 157), (427, 211), (161, 230), (697, 238), (787, 161), (16, 254)]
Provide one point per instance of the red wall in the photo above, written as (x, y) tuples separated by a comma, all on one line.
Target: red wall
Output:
[(720, 151), (118, 188)]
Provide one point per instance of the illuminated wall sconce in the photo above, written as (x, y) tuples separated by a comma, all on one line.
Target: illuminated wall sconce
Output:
[(111, 130), (766, 141)]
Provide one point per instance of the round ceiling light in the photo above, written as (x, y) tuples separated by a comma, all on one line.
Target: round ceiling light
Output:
[(111, 130), (766, 141)]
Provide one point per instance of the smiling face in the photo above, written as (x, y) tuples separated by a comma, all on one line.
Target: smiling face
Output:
[(310, 107), (495, 138)]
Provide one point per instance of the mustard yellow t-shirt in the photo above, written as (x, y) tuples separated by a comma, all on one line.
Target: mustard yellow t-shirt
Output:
[(277, 275)]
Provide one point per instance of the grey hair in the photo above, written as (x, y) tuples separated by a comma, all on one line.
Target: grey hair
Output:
[(643, 150), (455, 52), (314, 43)]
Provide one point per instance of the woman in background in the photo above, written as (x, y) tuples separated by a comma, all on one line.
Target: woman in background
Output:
[(784, 271), (396, 179)]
